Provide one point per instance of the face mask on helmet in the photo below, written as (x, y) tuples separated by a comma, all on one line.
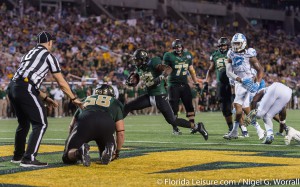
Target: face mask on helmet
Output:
[(140, 57), (177, 46), (238, 42), (105, 89), (223, 44)]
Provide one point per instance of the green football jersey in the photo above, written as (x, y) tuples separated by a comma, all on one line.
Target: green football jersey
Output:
[(180, 66), (130, 91), (142, 90), (103, 103), (148, 73), (220, 59)]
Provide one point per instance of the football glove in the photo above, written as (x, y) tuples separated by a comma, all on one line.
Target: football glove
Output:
[(205, 88), (197, 86), (262, 84), (254, 88), (247, 83)]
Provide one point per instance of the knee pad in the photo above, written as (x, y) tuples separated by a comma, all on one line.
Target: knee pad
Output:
[(190, 114)]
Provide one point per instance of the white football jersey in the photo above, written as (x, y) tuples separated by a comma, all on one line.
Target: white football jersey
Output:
[(240, 62)]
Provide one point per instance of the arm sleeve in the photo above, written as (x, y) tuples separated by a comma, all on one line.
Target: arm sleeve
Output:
[(119, 112), (229, 72)]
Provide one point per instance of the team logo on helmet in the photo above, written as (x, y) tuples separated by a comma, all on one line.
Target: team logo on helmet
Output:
[(140, 57), (238, 42), (105, 89)]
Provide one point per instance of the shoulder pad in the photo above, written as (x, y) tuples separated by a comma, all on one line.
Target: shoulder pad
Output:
[(251, 52), (230, 54), (188, 55), (166, 54)]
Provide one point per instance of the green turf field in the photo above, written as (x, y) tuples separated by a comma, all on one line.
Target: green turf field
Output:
[(154, 157)]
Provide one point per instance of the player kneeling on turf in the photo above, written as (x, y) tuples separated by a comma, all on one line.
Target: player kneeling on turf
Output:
[(98, 121), (272, 100)]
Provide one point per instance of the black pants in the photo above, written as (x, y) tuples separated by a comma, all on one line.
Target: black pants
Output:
[(183, 92), (91, 126), (29, 109), (162, 103), (224, 96)]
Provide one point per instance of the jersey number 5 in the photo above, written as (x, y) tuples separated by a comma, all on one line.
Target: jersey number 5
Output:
[(221, 63), (181, 66), (101, 100)]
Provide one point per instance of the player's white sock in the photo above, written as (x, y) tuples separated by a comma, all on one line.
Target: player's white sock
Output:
[(256, 125), (235, 126), (268, 125), (243, 128)]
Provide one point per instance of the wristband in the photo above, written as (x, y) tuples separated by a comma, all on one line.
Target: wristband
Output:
[(45, 98), (74, 99)]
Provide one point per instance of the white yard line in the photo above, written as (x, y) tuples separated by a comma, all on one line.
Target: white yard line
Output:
[(182, 143)]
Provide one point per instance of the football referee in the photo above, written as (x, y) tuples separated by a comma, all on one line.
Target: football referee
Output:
[(27, 100)]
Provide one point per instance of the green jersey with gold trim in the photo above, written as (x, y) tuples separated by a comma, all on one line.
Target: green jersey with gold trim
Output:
[(180, 66)]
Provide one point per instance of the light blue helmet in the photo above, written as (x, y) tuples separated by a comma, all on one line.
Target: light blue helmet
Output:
[(238, 42)]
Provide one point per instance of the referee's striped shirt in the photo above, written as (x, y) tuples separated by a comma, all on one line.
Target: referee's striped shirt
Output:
[(35, 65)]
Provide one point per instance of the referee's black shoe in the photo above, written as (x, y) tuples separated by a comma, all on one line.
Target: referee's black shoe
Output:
[(35, 163)]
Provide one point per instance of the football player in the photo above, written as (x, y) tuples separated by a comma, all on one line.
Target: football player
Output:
[(180, 61), (153, 73), (98, 121), (273, 100), (218, 59), (238, 68)]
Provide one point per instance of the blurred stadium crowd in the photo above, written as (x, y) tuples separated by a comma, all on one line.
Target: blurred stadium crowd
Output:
[(97, 49)]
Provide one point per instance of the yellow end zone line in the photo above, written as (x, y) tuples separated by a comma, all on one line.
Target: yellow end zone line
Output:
[(7, 150)]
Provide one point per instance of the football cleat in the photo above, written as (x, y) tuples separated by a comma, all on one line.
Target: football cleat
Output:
[(176, 131), (193, 131), (231, 135), (201, 129), (250, 118), (84, 152), (107, 153), (279, 134), (245, 134), (269, 139)]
